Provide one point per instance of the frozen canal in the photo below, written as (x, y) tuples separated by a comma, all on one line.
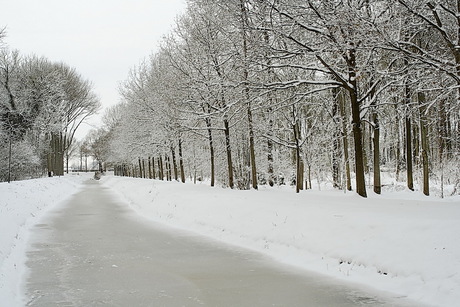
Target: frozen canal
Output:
[(96, 251)]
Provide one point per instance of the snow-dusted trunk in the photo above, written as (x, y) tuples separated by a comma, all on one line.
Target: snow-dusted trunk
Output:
[(356, 120), (181, 162), (252, 154), (168, 168), (211, 150), (140, 168), (160, 168), (229, 153), (335, 139), (150, 168), (376, 160), (346, 158), (153, 168), (424, 142), (144, 171), (270, 170), (298, 159), (174, 162), (358, 142), (408, 127), (271, 101), (375, 141)]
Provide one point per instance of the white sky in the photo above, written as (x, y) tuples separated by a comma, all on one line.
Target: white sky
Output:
[(102, 39)]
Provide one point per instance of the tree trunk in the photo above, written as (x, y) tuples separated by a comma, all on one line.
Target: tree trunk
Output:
[(270, 149), (174, 162), (356, 120), (409, 165), (335, 140), (271, 75), (168, 168), (442, 129), (9, 157), (301, 175), (343, 115), (299, 180), (59, 162), (160, 168), (181, 162), (67, 157), (211, 149), (229, 153), (140, 168), (49, 159), (150, 168), (398, 143), (358, 138), (424, 141), (65, 154), (376, 143), (56, 157), (252, 155), (144, 171)]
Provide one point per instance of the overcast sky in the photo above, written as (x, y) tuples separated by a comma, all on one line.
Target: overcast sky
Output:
[(102, 39)]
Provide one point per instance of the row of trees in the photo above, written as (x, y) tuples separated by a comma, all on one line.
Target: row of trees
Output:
[(248, 92), (41, 106)]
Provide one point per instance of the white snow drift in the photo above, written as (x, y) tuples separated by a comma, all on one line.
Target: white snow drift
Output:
[(402, 242)]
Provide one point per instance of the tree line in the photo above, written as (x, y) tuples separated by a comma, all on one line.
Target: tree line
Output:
[(42, 103), (249, 92)]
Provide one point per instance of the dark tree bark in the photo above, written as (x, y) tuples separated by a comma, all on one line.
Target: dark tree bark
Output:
[(174, 162), (229, 153), (408, 127), (424, 142), (298, 161), (356, 120), (181, 162), (211, 146), (140, 168), (150, 168), (168, 168), (160, 167), (376, 143)]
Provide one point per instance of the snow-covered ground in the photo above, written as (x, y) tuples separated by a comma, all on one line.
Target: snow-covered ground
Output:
[(22, 203), (402, 242)]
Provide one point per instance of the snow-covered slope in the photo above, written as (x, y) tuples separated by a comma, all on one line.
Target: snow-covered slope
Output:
[(401, 242), (22, 203)]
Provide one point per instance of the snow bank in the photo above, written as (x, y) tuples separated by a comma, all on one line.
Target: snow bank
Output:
[(401, 242), (22, 203)]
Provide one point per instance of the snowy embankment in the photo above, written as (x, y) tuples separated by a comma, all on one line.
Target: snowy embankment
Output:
[(402, 242), (22, 203)]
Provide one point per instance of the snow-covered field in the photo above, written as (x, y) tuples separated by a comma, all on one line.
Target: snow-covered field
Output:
[(402, 242)]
